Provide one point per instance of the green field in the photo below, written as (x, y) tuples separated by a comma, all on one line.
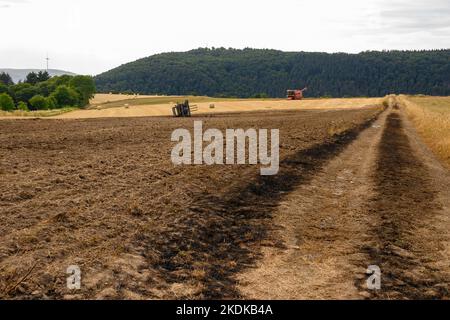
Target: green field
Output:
[(137, 101)]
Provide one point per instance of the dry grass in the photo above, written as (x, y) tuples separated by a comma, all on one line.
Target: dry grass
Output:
[(115, 105), (35, 114), (106, 101), (162, 106), (101, 98), (431, 117)]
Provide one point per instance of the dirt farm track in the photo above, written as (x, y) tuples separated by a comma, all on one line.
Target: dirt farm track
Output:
[(356, 187)]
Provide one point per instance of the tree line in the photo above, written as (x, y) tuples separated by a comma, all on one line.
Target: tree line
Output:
[(39, 91), (269, 73)]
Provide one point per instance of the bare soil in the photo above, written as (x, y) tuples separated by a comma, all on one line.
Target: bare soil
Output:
[(103, 194), (383, 201)]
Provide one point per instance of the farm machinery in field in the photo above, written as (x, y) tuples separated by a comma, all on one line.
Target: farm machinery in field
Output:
[(295, 94), (183, 109)]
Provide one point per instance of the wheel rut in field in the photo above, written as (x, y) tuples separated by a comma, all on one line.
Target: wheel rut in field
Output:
[(405, 241), (322, 223), (222, 235)]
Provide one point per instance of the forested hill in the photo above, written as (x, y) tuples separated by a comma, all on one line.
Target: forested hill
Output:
[(260, 72)]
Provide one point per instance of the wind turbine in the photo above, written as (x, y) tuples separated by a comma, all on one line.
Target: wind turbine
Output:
[(47, 59)]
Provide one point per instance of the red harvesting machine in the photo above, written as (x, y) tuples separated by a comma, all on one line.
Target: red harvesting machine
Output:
[(295, 94)]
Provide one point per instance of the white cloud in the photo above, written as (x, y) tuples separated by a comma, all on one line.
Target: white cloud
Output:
[(8, 3), (91, 36)]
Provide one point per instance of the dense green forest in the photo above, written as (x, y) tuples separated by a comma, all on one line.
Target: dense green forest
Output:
[(261, 72), (39, 91)]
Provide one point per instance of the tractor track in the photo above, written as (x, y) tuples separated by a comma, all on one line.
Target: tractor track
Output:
[(382, 201), (406, 239), (322, 223)]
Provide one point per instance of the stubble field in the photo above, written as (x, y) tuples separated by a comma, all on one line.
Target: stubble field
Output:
[(104, 195)]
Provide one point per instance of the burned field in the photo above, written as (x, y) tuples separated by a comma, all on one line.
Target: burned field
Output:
[(104, 195)]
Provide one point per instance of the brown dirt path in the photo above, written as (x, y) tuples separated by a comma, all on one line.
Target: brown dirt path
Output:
[(411, 210), (322, 222), (385, 201)]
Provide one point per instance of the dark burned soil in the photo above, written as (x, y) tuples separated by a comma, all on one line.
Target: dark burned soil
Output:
[(103, 194)]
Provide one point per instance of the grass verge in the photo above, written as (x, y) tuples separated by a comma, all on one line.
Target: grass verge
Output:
[(136, 101), (37, 113), (431, 117)]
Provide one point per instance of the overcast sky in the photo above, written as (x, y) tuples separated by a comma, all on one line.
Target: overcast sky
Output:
[(92, 36)]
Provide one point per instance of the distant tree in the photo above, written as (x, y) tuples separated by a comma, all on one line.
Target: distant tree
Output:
[(45, 88), (32, 78), (6, 79), (38, 102), (260, 95), (65, 96), (85, 86), (23, 92), (6, 102), (51, 103), (61, 80), (22, 106), (3, 88), (43, 76)]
